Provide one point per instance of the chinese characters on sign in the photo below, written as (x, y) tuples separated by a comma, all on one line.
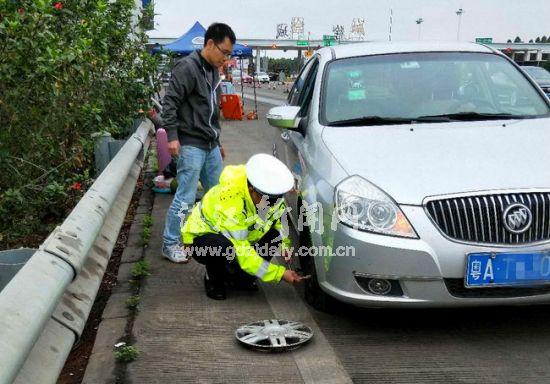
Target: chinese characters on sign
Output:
[(297, 27), (282, 31), (357, 29), (338, 31)]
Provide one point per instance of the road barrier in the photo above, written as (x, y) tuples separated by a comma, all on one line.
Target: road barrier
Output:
[(44, 307)]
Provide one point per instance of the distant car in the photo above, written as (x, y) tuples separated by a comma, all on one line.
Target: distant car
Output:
[(261, 77), (273, 76), (541, 77), (236, 74)]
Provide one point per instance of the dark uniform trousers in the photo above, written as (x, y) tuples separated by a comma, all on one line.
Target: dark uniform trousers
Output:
[(218, 267)]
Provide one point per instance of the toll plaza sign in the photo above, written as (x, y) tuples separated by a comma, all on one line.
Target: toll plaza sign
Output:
[(329, 40), (484, 40)]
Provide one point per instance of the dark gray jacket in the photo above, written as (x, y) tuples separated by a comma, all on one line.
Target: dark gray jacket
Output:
[(190, 109)]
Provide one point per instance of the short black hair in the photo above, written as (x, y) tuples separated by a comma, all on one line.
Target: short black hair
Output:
[(218, 32)]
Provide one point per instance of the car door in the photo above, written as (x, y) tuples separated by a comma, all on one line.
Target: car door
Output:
[(292, 140)]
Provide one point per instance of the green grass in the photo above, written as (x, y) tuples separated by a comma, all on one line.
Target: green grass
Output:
[(147, 221), (145, 236), (146, 231), (154, 160), (140, 269), (133, 301), (126, 354)]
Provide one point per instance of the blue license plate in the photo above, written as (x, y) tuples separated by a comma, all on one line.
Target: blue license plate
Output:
[(501, 269)]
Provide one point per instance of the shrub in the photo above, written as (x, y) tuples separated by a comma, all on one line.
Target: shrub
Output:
[(67, 69)]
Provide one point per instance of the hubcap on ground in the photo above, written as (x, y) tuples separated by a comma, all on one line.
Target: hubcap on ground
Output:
[(274, 335)]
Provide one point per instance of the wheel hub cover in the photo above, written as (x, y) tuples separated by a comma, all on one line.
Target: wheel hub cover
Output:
[(274, 335)]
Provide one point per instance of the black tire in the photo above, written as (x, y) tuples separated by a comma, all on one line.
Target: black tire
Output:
[(314, 294)]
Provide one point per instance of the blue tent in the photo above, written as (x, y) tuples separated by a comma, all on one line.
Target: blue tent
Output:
[(193, 39)]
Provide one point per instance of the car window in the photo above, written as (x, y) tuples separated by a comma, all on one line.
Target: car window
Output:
[(538, 73), (295, 92), (307, 91), (426, 84)]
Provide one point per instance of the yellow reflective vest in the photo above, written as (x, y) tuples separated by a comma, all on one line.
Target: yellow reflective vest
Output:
[(228, 209)]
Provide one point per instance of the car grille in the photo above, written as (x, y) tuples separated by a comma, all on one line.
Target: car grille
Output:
[(478, 219), (457, 289)]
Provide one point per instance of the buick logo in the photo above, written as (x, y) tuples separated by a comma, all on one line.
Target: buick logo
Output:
[(517, 218)]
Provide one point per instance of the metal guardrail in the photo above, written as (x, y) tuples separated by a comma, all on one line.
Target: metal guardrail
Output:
[(44, 308)]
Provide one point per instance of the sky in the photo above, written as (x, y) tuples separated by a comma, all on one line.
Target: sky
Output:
[(499, 19)]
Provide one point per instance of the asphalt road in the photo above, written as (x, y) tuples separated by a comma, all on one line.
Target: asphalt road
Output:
[(183, 336), (474, 345)]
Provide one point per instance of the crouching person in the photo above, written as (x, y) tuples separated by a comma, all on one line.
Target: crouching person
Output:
[(235, 220)]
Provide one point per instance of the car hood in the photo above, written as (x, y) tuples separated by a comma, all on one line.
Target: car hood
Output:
[(411, 162)]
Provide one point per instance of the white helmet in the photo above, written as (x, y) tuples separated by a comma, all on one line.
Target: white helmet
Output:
[(268, 175)]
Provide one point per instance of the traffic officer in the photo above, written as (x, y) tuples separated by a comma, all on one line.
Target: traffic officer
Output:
[(235, 220)]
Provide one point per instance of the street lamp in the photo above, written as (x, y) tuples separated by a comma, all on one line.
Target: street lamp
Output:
[(459, 14), (419, 21)]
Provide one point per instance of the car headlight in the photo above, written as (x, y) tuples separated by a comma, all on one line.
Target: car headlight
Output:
[(363, 206)]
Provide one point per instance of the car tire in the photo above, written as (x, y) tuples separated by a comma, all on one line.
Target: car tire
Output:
[(313, 293)]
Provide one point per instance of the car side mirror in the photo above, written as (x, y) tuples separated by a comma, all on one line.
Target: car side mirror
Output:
[(285, 116)]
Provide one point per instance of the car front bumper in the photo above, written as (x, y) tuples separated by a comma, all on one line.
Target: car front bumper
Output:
[(429, 271)]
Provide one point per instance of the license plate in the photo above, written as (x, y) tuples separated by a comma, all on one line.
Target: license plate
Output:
[(501, 269)]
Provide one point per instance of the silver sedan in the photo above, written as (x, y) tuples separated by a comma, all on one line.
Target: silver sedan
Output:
[(422, 175)]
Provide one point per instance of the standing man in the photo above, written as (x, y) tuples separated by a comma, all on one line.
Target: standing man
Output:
[(191, 119)]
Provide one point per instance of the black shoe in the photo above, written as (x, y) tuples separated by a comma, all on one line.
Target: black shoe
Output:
[(214, 291)]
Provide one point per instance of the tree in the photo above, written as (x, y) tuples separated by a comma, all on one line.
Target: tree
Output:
[(509, 41), (531, 40), (537, 40), (544, 40), (517, 39), (288, 66)]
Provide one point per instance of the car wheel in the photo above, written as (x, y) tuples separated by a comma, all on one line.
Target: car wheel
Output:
[(314, 294)]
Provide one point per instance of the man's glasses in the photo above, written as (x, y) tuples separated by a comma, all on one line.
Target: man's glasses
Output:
[(225, 53)]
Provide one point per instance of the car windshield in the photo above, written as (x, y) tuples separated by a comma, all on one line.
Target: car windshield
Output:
[(437, 85), (538, 73)]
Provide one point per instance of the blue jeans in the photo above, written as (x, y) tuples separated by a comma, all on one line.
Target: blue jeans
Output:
[(193, 164)]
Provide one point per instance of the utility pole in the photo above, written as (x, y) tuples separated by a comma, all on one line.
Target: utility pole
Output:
[(391, 21), (419, 21), (459, 14)]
